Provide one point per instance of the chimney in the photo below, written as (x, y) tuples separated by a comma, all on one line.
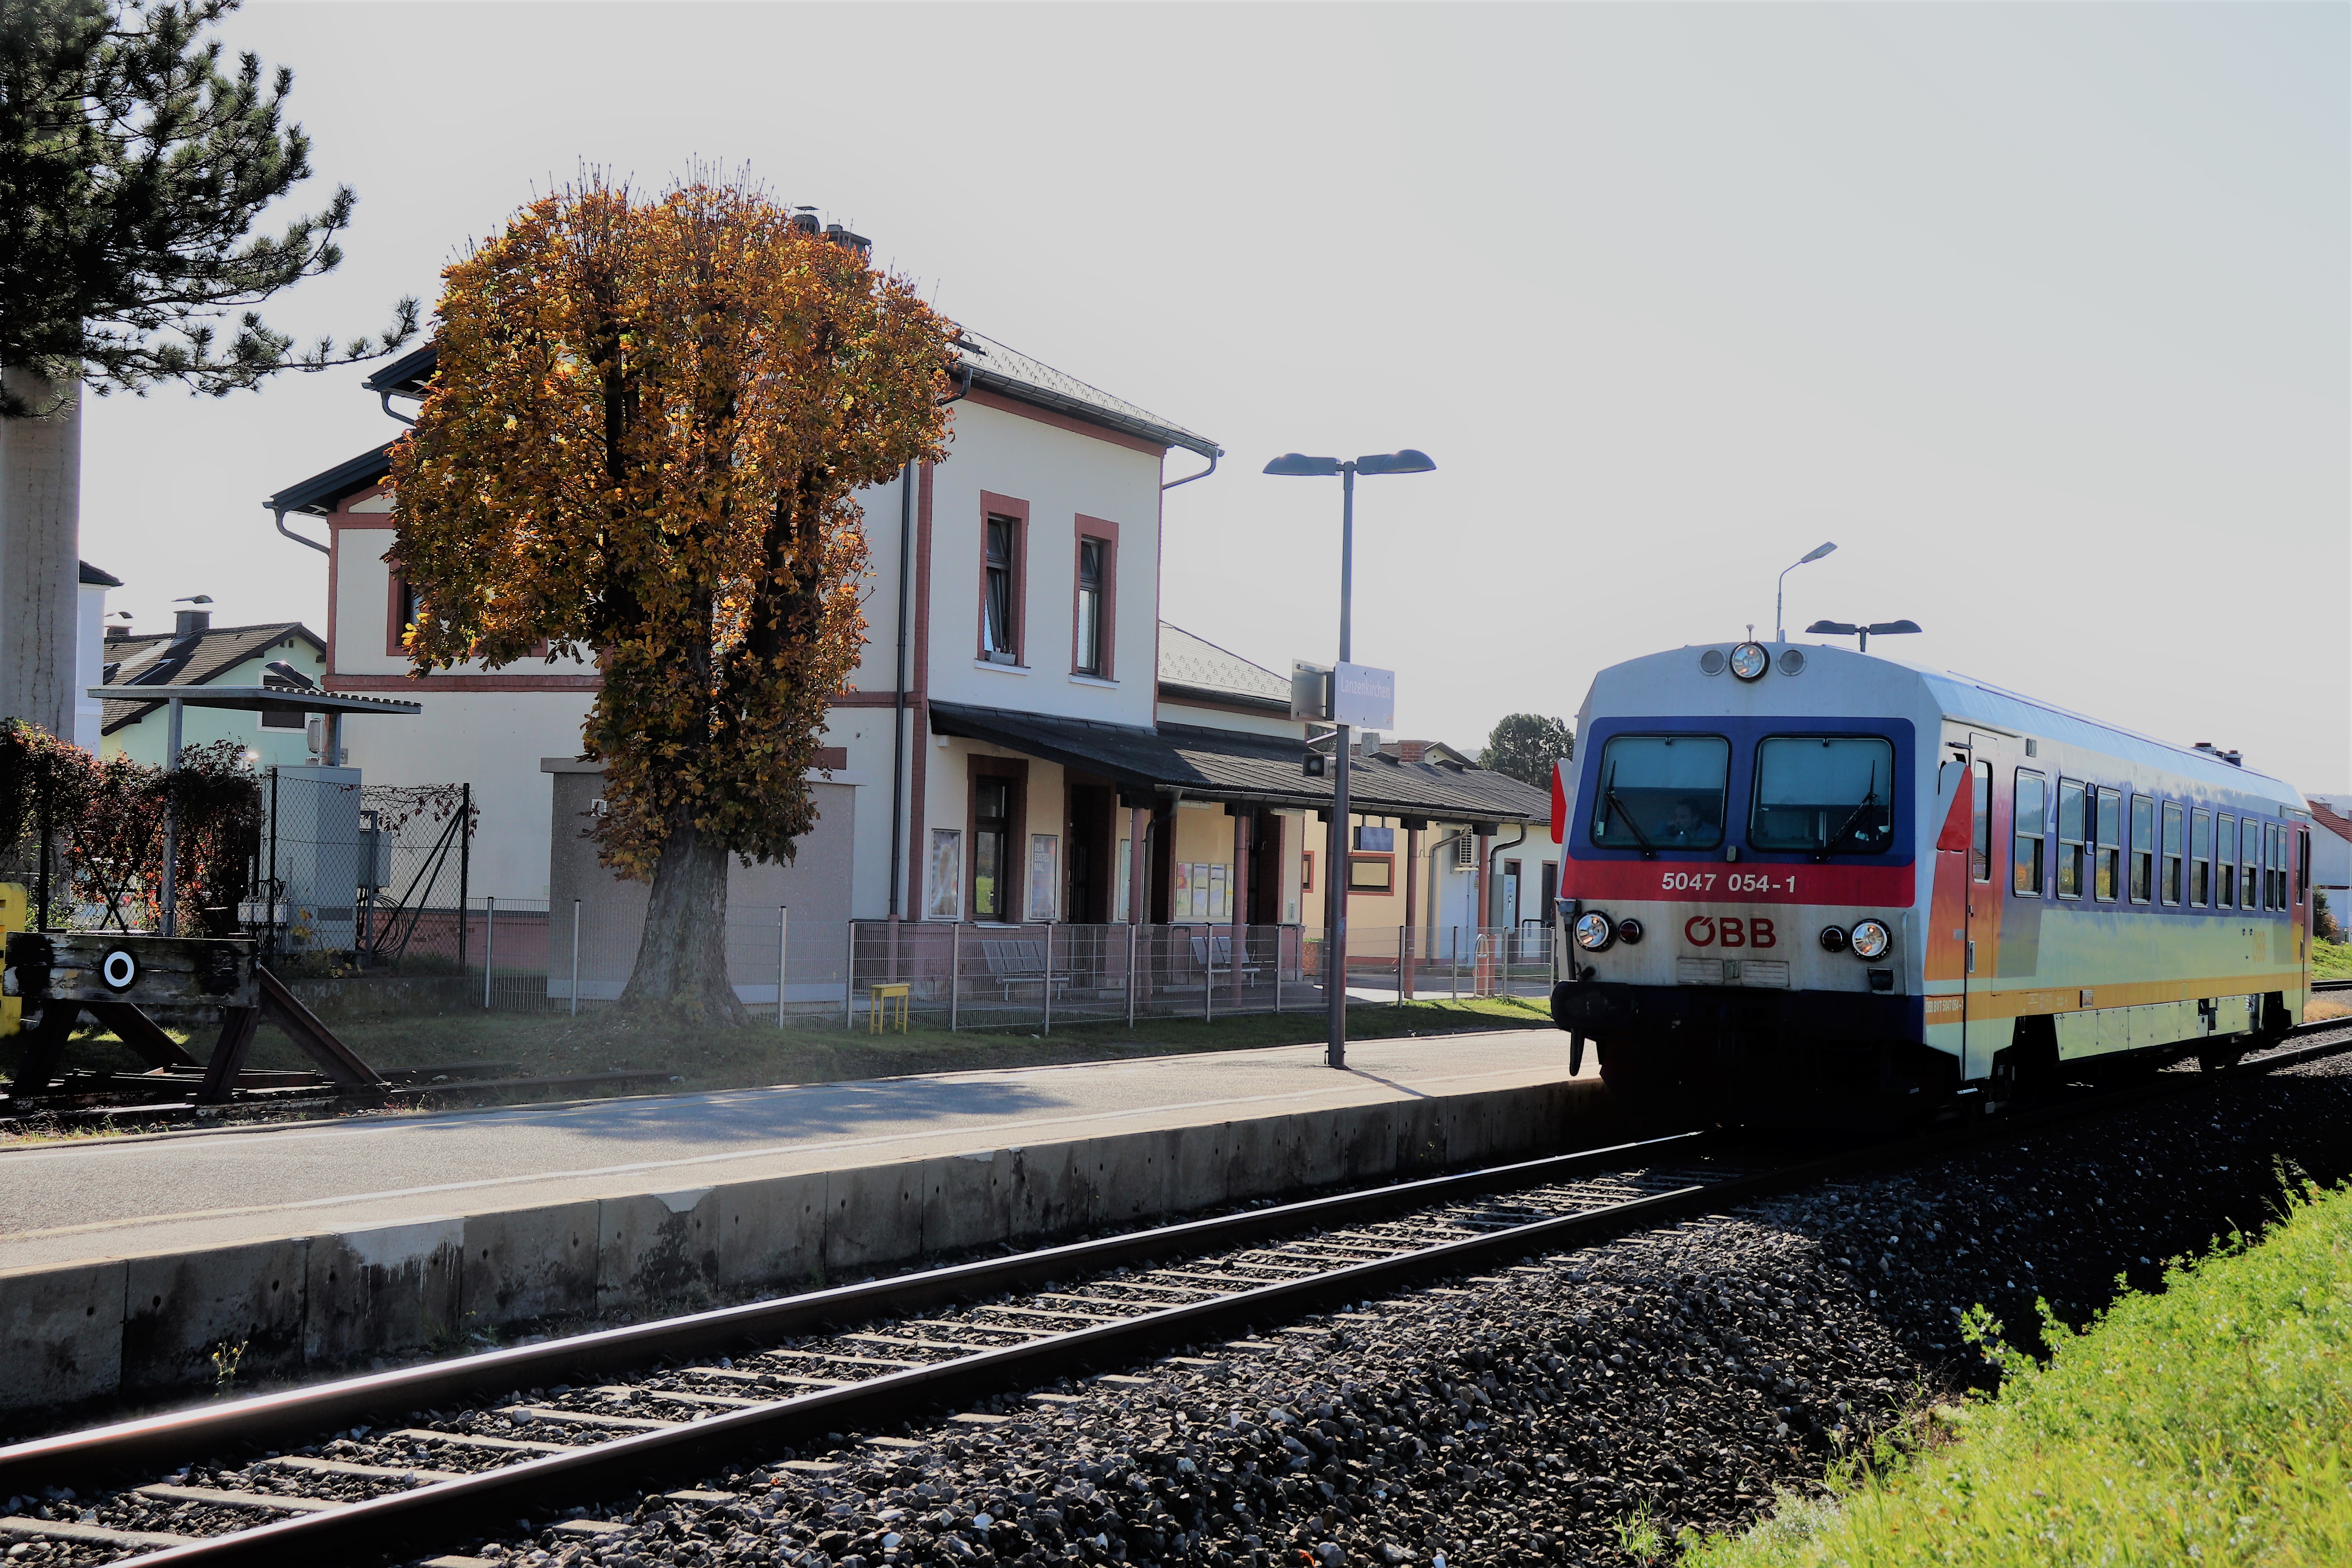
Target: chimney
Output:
[(1412, 751), (858, 243), (116, 634), (192, 623)]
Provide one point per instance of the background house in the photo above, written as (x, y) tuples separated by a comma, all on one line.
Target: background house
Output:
[(197, 653)]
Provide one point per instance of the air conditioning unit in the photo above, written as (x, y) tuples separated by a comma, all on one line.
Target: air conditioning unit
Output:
[(1465, 852)]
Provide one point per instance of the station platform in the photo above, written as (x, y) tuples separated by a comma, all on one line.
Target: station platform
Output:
[(125, 1262)]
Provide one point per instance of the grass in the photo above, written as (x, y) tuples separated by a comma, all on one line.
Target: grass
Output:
[(2331, 959), (607, 1040), (2210, 1423)]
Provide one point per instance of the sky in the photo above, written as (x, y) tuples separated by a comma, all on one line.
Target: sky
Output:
[(2039, 312)]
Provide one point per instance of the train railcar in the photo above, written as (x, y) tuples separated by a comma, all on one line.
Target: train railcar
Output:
[(1811, 885)]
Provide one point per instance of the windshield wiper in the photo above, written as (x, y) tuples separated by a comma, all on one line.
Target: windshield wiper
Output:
[(1625, 815), (1854, 819)]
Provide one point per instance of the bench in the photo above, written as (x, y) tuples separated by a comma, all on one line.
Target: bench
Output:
[(1013, 962), (1213, 951)]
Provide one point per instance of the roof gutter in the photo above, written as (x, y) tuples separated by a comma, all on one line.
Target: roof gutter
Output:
[(279, 512)]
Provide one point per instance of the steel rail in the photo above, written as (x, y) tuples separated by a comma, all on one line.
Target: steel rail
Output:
[(404, 1523), (72, 1458)]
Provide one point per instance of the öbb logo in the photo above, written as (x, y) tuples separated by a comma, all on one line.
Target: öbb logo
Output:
[(1729, 931)]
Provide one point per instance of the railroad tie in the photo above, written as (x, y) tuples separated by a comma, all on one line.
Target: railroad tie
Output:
[(466, 1440), (365, 1472), (268, 1502), (88, 1534), (582, 1419)]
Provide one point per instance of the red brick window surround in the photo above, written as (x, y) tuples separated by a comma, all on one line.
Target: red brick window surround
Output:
[(1093, 599), (400, 614), (1003, 579)]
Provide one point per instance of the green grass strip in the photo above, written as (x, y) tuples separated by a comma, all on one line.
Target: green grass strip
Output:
[(2208, 1425), (2331, 959)]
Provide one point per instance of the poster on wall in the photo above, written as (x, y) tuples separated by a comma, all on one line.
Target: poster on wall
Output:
[(1126, 864), (1045, 884), (1179, 900), (1220, 893), (945, 875)]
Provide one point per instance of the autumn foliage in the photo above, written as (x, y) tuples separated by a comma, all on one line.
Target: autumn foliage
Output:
[(642, 449)]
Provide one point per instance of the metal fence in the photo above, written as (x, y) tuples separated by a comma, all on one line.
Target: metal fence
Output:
[(795, 972), (370, 876)]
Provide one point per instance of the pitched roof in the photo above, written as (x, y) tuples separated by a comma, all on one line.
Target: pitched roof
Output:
[(162, 659), (2335, 822), (1193, 666), (99, 577), (1005, 370), (323, 493), (1262, 769)]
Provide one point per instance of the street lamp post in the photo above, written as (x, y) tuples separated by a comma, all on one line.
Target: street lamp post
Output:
[(1855, 629), (1295, 465), (1780, 588)]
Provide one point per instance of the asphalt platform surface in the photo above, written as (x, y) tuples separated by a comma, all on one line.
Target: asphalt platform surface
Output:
[(74, 1201)]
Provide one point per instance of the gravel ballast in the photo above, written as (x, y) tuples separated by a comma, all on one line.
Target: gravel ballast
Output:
[(1521, 1416)]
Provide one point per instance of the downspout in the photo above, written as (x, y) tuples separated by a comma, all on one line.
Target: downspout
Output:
[(384, 396), (1203, 474), (1491, 873), (899, 706), (281, 514)]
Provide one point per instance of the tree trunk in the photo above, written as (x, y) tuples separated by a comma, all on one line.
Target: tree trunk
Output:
[(40, 579), (681, 968)]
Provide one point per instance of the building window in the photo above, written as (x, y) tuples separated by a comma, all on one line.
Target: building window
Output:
[(282, 719), (401, 615), (2225, 865), (1000, 592), (1094, 572), (2074, 840), (2200, 858), (2031, 830), (1980, 823), (2172, 883), (2142, 848), (992, 824)]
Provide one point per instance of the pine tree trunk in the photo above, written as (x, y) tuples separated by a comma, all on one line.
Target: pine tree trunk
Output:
[(681, 968), (40, 580)]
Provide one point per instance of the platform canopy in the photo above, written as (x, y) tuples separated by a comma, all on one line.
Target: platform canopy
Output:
[(256, 699)]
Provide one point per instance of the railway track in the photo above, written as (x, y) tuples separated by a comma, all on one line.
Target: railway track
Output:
[(397, 1464)]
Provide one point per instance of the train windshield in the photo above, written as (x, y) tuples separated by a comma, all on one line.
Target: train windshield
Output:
[(1829, 795), (1661, 792)]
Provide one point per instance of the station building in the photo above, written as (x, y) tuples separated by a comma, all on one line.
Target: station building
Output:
[(1025, 739)]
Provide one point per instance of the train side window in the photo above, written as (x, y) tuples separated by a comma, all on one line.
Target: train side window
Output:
[(2302, 865), (2225, 861), (2032, 831), (2171, 880), (2200, 858), (1980, 838), (2274, 866), (2106, 870), (2250, 863), (2072, 836), (2142, 848)]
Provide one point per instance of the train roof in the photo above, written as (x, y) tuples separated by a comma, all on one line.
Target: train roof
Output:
[(1968, 699)]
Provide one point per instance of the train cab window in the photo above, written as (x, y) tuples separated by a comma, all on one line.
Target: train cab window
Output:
[(1826, 794), (2250, 863), (1661, 792), (2200, 858), (2031, 832), (1980, 823), (2225, 861), (2142, 848), (2074, 847), (2170, 881), (2106, 867)]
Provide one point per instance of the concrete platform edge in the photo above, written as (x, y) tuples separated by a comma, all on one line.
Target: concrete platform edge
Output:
[(151, 1327)]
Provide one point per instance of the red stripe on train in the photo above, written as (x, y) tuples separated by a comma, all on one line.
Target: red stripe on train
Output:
[(1887, 887)]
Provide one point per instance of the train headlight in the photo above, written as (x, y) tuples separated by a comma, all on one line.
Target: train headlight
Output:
[(1833, 938), (1749, 660), (1629, 929), (1870, 939), (1594, 931)]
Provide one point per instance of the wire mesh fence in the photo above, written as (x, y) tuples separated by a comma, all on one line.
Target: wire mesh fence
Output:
[(360, 876), (794, 972)]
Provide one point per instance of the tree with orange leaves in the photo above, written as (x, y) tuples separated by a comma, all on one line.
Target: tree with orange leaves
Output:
[(643, 445)]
